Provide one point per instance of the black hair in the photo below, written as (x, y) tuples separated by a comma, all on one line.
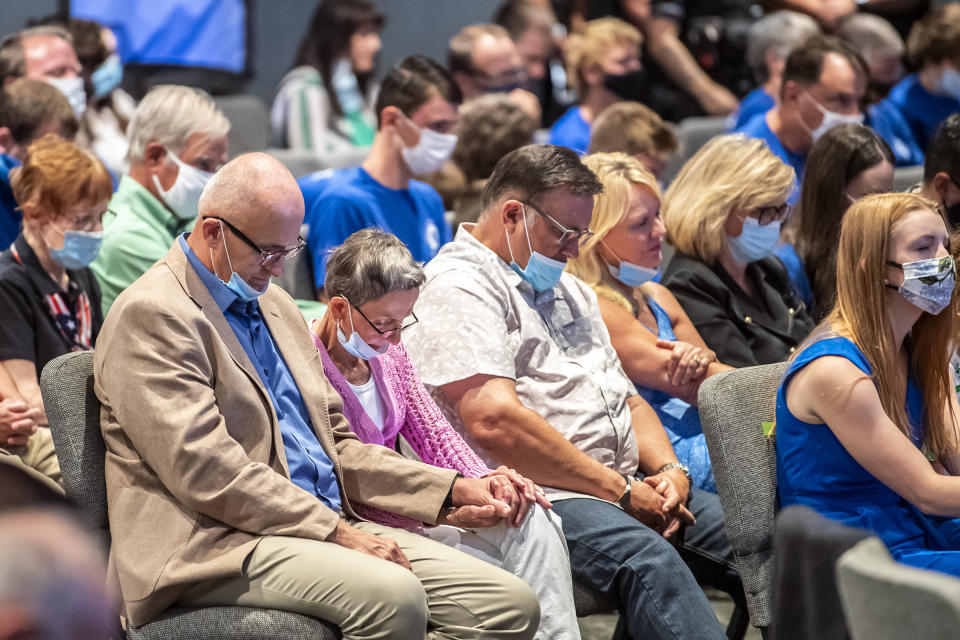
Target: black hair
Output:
[(411, 83), (535, 169), (943, 152), (805, 63)]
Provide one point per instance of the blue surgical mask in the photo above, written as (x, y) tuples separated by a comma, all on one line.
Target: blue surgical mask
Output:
[(236, 283), (630, 274), (80, 248), (355, 346), (107, 76), (950, 83), (541, 273), (755, 242)]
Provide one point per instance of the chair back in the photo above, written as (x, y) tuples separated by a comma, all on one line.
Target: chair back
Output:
[(692, 133), (249, 123), (906, 177), (733, 407), (885, 600), (297, 278), (73, 412)]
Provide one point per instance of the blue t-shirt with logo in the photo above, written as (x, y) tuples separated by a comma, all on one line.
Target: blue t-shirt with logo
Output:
[(9, 215), (571, 131), (884, 118), (922, 110), (757, 127), (352, 200)]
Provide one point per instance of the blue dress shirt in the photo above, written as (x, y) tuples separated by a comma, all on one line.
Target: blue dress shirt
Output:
[(310, 467), (9, 215)]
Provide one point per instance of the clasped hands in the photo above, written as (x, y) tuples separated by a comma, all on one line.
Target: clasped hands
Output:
[(502, 494), (659, 501), (687, 361), (17, 423)]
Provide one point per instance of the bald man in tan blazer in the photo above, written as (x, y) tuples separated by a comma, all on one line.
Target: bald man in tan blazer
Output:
[(201, 503)]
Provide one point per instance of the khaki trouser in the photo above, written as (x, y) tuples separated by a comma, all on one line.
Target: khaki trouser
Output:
[(448, 595), (37, 458)]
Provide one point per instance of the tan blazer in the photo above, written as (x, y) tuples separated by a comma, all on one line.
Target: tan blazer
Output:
[(195, 466)]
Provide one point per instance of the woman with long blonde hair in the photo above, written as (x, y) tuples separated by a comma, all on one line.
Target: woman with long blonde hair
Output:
[(866, 417), (723, 213), (657, 344)]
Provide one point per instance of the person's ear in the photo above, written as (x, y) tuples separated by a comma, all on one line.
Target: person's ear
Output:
[(211, 231), (154, 155), (941, 184), (511, 212), (338, 308), (592, 75), (465, 82), (790, 93), (7, 143), (390, 116)]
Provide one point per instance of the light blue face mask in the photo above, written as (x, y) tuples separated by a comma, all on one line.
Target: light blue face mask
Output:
[(630, 274), (950, 83), (107, 76), (756, 241), (542, 273), (355, 346), (237, 284), (80, 248)]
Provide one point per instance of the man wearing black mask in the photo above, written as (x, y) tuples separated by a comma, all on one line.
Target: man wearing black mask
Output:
[(603, 65), (941, 169)]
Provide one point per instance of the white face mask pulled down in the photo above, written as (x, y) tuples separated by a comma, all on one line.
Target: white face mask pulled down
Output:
[(72, 89), (183, 196), (430, 153), (831, 119)]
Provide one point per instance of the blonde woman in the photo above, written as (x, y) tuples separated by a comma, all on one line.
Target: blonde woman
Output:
[(657, 344), (867, 403), (723, 214)]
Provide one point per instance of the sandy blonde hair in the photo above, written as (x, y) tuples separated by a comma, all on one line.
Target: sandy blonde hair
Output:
[(618, 173), (590, 46), (860, 314), (729, 172)]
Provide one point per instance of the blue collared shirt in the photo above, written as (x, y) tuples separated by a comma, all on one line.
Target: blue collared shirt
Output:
[(310, 467), (9, 215)]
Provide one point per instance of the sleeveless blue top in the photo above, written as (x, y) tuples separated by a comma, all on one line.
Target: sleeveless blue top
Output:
[(680, 419), (814, 469)]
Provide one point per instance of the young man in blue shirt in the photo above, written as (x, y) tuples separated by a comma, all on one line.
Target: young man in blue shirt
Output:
[(417, 111), (29, 109), (823, 86)]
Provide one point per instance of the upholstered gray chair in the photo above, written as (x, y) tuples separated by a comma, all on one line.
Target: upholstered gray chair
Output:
[(733, 407), (885, 600), (74, 415)]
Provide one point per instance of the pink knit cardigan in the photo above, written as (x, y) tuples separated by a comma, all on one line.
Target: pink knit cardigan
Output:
[(410, 412)]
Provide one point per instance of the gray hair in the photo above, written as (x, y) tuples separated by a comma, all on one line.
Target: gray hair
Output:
[(781, 31), (169, 114), (870, 34), (370, 264)]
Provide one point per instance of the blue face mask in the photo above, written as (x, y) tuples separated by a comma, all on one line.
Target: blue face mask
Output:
[(755, 241), (80, 248), (107, 76), (355, 346), (950, 83), (630, 274), (237, 284), (541, 273)]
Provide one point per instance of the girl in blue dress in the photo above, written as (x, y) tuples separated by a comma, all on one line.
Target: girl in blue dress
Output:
[(866, 416), (660, 349)]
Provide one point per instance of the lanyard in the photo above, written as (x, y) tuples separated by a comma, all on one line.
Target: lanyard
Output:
[(75, 327)]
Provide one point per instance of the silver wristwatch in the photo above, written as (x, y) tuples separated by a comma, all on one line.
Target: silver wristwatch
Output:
[(682, 467)]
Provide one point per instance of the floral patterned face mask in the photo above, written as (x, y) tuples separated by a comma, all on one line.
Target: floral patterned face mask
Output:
[(928, 284)]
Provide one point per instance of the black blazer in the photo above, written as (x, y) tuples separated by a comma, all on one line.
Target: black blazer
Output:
[(743, 331)]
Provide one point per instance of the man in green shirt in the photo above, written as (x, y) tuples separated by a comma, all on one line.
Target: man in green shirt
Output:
[(178, 140)]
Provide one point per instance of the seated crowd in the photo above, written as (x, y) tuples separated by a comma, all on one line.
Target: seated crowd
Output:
[(494, 395)]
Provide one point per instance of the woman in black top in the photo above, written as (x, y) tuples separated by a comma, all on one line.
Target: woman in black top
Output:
[(50, 299), (723, 214)]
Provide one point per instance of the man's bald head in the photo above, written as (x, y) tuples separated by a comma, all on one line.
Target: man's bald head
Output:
[(252, 190)]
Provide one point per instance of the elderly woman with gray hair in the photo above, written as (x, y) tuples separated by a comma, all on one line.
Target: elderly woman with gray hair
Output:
[(373, 283)]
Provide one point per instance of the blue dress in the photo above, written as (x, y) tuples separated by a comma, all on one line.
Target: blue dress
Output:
[(680, 419), (815, 470)]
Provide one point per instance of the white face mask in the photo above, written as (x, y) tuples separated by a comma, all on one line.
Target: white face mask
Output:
[(831, 119), (354, 345), (73, 89), (950, 83), (430, 154), (183, 197)]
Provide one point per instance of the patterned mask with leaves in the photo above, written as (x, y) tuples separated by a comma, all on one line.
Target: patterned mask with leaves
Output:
[(928, 284)]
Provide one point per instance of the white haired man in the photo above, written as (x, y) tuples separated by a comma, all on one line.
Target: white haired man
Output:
[(178, 140)]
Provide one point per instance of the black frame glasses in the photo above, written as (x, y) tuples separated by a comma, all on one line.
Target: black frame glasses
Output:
[(766, 215), (566, 235), (389, 332), (266, 257)]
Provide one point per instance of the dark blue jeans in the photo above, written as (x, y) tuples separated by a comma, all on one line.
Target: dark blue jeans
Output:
[(656, 586)]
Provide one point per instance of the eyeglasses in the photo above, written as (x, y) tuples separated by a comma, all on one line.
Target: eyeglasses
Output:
[(389, 332), (267, 258), (566, 235), (766, 215)]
